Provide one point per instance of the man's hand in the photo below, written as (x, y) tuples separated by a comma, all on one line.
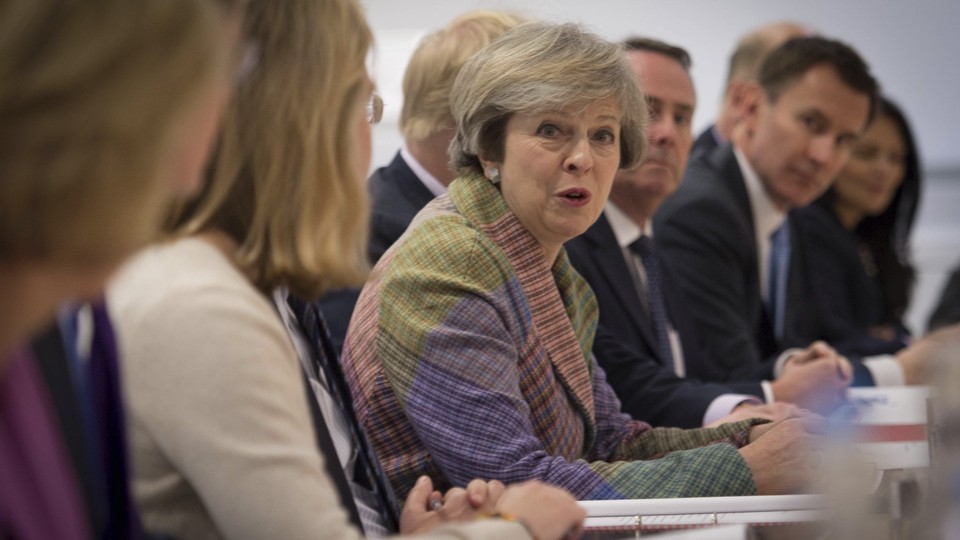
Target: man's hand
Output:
[(815, 378)]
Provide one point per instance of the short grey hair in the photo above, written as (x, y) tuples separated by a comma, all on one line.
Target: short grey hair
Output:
[(540, 67)]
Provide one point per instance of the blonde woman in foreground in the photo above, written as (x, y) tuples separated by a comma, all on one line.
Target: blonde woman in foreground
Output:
[(222, 436)]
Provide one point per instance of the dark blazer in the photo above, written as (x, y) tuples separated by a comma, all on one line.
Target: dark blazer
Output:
[(598, 257), (645, 383), (849, 299), (396, 196), (704, 143), (705, 233), (948, 309)]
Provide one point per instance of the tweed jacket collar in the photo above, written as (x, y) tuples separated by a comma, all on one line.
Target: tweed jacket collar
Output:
[(562, 306)]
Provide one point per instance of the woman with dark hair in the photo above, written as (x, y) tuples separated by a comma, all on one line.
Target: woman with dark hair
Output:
[(856, 238)]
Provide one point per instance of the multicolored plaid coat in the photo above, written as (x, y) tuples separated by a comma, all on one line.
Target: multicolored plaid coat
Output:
[(469, 358)]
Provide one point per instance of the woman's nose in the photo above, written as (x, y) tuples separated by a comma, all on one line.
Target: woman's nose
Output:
[(580, 158)]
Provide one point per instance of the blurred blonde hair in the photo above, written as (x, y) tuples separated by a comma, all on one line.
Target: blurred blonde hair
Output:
[(283, 182), (434, 66), (91, 94)]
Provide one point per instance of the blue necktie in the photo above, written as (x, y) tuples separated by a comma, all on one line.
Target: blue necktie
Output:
[(370, 473), (644, 247), (777, 278)]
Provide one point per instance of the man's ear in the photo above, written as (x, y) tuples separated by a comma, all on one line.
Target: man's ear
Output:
[(733, 94), (750, 98)]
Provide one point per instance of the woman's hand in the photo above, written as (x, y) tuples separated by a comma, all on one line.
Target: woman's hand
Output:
[(548, 513), (773, 412), (426, 508)]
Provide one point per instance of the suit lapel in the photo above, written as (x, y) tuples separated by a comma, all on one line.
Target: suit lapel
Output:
[(608, 257), (732, 176), (410, 186)]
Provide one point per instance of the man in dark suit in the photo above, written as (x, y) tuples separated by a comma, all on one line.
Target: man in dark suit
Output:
[(421, 169), (725, 234), (745, 61), (628, 288)]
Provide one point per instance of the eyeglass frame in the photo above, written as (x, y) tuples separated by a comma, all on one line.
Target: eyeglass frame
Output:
[(374, 108)]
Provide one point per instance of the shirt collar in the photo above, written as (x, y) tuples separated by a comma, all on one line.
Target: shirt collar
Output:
[(427, 179), (766, 217), (625, 229)]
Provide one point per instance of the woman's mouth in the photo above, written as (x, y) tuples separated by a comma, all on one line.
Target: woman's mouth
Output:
[(575, 196)]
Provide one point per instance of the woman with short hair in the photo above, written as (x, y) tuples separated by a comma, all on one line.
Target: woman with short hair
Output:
[(469, 350)]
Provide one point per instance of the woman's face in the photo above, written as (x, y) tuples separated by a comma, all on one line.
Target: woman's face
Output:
[(875, 170), (558, 168)]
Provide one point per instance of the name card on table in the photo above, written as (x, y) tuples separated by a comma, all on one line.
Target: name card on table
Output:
[(891, 426)]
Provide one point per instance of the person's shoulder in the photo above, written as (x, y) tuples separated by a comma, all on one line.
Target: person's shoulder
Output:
[(444, 235), (183, 308), (820, 229), (379, 181), (186, 263), (179, 281), (444, 241), (816, 212), (388, 177), (703, 195)]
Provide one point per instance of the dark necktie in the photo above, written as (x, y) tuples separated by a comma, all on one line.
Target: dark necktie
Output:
[(643, 247), (777, 278), (368, 472)]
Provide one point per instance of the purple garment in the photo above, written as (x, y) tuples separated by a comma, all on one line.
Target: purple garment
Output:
[(39, 498), (105, 383)]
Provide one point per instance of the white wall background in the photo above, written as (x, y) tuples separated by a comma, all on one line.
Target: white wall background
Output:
[(911, 46)]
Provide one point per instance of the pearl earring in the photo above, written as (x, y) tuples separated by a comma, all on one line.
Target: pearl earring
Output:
[(494, 175)]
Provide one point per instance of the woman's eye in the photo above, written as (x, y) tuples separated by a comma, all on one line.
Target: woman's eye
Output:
[(548, 130), (865, 151), (605, 136), (813, 123)]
